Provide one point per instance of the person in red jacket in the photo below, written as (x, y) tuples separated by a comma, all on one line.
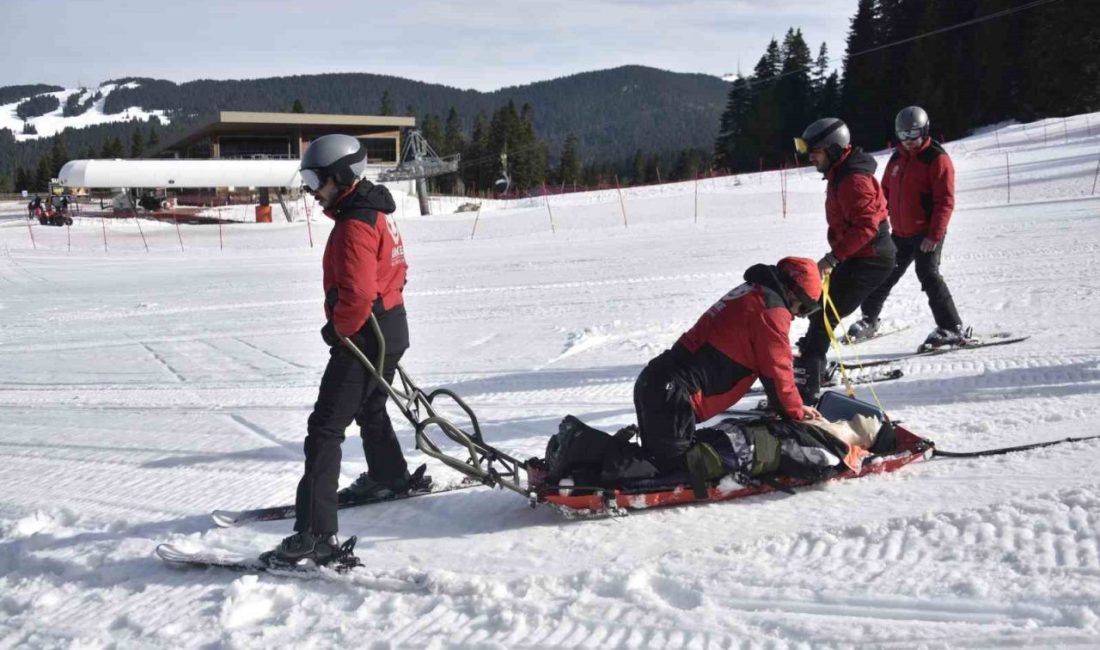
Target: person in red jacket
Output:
[(364, 274), (743, 337), (861, 253), (919, 184)]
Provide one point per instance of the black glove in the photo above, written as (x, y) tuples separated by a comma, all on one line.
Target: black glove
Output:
[(328, 333)]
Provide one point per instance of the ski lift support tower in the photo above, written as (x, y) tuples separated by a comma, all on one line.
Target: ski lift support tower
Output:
[(419, 163)]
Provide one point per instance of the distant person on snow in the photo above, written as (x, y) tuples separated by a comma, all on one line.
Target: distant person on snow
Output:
[(919, 184), (742, 337), (364, 273), (861, 253)]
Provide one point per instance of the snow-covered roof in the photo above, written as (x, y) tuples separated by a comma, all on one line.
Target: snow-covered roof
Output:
[(180, 173)]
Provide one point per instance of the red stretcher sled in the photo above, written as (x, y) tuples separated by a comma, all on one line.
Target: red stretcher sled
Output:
[(579, 501)]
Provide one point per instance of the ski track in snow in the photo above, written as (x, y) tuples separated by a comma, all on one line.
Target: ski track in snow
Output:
[(140, 391)]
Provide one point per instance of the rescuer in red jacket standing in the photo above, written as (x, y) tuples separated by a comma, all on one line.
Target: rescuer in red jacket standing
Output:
[(364, 273), (861, 253), (919, 184)]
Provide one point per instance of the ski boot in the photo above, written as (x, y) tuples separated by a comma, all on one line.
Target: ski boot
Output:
[(366, 489), (863, 329), (808, 373), (303, 548), (944, 337)]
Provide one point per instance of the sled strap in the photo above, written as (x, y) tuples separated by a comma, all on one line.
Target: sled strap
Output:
[(1006, 450), (827, 301)]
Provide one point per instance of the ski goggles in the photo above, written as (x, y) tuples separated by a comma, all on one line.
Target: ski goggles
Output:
[(801, 146), (906, 135), (807, 306), (312, 179)]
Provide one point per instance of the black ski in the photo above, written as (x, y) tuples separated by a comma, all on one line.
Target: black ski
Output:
[(230, 518), (344, 562), (1001, 338)]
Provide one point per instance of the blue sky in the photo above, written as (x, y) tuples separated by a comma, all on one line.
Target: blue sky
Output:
[(482, 45)]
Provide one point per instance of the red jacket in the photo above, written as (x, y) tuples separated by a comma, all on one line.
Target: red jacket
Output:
[(743, 336), (855, 207), (920, 191), (364, 258)]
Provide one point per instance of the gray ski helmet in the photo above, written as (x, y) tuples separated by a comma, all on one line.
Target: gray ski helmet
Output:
[(912, 123), (337, 156), (828, 133)]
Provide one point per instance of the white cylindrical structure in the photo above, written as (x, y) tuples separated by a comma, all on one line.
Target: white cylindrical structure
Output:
[(180, 173)]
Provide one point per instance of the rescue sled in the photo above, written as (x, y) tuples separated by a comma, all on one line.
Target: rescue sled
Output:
[(574, 501)]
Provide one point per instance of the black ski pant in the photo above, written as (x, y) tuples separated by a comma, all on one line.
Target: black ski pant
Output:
[(931, 282), (348, 393), (666, 418), (850, 283)]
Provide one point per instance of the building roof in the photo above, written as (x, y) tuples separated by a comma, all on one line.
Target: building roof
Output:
[(307, 125), (180, 173)]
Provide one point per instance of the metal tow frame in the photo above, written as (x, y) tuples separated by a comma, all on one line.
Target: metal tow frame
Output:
[(485, 463)]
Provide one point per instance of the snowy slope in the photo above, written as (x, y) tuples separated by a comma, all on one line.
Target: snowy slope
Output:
[(55, 122), (139, 391)]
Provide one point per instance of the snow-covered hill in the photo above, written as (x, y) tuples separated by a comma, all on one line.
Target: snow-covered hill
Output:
[(139, 391), (55, 122)]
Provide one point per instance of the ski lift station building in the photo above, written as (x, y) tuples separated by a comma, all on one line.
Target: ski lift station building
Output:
[(249, 149), (249, 135)]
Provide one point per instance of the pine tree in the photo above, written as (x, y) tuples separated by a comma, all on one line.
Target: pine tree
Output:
[(137, 144), (432, 130), (89, 153), (689, 164), (794, 93), (479, 163), (6, 183), (154, 140), (732, 148), (453, 139), (569, 167), (765, 120), (43, 176), (58, 155), (22, 179), (653, 169), (638, 167), (1063, 75), (387, 104), (859, 97), (297, 107)]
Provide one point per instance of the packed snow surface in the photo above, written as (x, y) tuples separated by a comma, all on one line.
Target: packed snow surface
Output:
[(141, 390)]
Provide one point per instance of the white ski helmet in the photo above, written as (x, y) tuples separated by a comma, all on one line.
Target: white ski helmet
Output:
[(337, 156), (912, 123)]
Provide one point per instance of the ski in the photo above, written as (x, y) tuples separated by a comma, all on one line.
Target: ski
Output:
[(230, 518), (833, 378), (344, 562), (878, 335), (989, 340)]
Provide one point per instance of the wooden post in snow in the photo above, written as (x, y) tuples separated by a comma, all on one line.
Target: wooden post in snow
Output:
[(546, 195), (477, 216), (179, 235), (622, 204), (697, 198), (30, 231)]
